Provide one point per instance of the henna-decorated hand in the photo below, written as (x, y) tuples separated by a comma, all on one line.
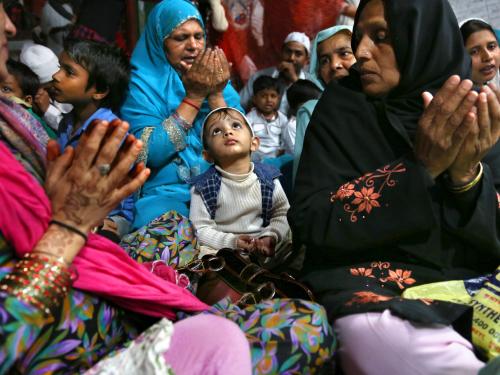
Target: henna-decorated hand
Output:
[(221, 72), (198, 80), (81, 195)]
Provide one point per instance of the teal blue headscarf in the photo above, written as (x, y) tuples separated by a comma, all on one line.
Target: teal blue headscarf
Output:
[(155, 92), (314, 63)]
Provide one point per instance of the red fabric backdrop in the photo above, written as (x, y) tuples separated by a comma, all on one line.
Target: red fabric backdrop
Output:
[(280, 18)]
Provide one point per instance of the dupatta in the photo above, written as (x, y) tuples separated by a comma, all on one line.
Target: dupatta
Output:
[(103, 268)]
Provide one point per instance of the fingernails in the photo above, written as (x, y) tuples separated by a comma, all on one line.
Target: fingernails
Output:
[(91, 126), (454, 80)]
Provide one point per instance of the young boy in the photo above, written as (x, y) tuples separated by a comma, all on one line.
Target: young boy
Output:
[(44, 63), (267, 122), (93, 78), (237, 203), (21, 85)]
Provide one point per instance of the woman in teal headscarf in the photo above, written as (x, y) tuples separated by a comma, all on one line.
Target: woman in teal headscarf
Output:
[(331, 58), (175, 82)]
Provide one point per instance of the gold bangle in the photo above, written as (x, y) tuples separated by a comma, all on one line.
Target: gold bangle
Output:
[(469, 185), (38, 280)]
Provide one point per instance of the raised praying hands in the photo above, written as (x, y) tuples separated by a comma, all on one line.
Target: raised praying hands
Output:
[(208, 75), (457, 129), (85, 184)]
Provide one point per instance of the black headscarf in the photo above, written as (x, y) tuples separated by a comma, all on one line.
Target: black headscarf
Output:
[(429, 49), (351, 134)]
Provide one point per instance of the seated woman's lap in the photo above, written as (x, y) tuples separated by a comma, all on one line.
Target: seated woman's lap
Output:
[(382, 343)]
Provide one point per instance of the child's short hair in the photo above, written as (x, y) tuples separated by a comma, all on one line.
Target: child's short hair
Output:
[(221, 113), (26, 79), (264, 83), (300, 92), (107, 66)]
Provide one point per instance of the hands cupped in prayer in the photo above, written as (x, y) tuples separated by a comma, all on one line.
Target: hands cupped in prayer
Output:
[(457, 129), (208, 75)]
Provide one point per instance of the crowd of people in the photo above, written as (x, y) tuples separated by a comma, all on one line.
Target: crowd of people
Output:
[(366, 163)]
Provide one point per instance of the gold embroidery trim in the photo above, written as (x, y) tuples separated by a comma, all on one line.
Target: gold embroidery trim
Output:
[(176, 135), (146, 134)]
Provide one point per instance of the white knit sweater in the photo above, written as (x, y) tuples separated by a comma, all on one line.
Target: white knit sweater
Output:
[(239, 209)]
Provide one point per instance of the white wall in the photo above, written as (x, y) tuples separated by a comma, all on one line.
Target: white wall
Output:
[(489, 10)]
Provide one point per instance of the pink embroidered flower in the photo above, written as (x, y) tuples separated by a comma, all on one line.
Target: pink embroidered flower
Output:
[(367, 272), (345, 191), (401, 277), (498, 199), (366, 199)]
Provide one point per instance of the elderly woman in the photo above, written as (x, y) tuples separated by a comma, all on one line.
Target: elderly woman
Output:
[(394, 191), (331, 58), (482, 44), (175, 82)]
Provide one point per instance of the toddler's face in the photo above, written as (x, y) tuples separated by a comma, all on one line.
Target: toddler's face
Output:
[(228, 136), (9, 87), (267, 101)]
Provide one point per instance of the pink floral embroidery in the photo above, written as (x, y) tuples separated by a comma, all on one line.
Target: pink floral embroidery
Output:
[(362, 272), (498, 199), (401, 277), (365, 192), (366, 199), (383, 273)]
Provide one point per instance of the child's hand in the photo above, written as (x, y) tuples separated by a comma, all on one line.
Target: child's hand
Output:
[(42, 100), (245, 242), (265, 246)]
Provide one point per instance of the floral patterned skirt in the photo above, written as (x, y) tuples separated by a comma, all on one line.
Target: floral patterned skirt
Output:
[(84, 330), (286, 336)]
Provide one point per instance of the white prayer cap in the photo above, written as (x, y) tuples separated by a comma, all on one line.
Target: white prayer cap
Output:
[(41, 60), (299, 38)]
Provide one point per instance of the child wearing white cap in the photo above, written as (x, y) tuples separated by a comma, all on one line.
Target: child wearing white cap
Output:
[(294, 56), (237, 203), (44, 63)]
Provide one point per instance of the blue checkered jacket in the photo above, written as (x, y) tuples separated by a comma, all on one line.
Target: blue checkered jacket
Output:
[(208, 184)]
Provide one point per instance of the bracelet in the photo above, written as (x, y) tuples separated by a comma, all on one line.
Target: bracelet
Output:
[(469, 185), (70, 228), (192, 104), (186, 125), (39, 280)]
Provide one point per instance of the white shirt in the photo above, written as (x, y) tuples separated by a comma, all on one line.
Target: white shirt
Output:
[(289, 136), (270, 133), (239, 210), (246, 93)]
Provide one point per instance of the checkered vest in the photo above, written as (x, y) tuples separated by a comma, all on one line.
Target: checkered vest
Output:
[(208, 184)]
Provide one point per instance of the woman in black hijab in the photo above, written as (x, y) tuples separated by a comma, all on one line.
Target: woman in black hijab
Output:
[(397, 188)]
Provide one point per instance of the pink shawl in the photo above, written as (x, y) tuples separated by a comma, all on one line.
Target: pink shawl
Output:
[(103, 267)]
